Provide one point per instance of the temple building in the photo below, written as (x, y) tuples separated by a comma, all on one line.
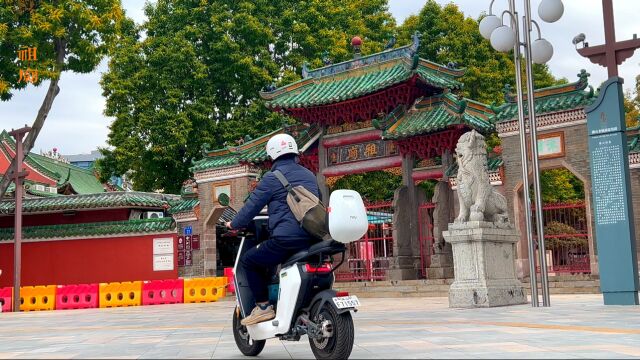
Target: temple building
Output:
[(49, 173), (78, 230), (395, 112)]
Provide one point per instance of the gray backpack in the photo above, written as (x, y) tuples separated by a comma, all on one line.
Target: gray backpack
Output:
[(307, 208)]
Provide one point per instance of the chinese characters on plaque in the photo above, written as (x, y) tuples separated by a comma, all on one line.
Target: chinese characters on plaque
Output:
[(27, 75), (608, 181), (362, 151)]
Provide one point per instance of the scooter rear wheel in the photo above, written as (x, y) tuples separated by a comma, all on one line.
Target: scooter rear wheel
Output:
[(340, 326), (245, 343)]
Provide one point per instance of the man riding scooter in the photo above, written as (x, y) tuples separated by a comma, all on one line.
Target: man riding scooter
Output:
[(287, 237)]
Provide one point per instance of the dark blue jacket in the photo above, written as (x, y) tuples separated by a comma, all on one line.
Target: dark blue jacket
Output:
[(282, 223)]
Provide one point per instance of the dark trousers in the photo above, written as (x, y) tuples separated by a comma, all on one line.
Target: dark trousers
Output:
[(259, 262)]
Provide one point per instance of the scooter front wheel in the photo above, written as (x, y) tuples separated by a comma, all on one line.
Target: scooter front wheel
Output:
[(339, 333), (245, 343)]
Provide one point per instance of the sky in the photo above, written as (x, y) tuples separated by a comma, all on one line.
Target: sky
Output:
[(76, 123)]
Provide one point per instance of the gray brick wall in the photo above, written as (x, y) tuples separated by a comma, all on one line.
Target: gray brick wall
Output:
[(197, 267), (576, 160), (205, 260)]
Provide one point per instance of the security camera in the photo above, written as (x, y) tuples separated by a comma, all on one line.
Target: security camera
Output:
[(579, 39)]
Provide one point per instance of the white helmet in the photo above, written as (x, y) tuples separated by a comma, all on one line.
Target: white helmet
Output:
[(281, 144)]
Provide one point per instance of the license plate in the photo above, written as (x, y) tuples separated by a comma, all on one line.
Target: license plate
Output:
[(344, 302)]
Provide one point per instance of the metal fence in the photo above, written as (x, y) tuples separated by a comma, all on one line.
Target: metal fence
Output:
[(566, 238), (369, 259)]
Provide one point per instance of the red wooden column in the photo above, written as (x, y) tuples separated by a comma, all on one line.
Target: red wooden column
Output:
[(19, 176)]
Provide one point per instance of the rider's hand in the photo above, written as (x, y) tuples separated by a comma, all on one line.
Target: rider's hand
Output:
[(228, 225)]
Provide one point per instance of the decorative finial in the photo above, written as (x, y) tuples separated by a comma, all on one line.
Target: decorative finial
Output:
[(391, 43), (506, 91), (356, 43), (416, 41), (326, 60), (203, 148), (305, 70)]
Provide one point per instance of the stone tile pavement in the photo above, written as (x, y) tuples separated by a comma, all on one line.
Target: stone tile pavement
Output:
[(576, 326)]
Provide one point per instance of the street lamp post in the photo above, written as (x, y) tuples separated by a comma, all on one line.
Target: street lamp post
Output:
[(504, 38)]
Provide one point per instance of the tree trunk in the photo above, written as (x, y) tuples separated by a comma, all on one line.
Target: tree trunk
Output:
[(30, 140)]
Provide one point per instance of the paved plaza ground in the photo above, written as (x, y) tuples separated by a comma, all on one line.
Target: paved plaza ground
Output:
[(576, 326)]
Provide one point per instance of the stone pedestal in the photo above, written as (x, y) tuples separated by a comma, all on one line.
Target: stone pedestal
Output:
[(441, 266), (485, 271)]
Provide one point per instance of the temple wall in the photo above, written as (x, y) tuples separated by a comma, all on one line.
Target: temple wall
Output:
[(575, 159), (237, 187)]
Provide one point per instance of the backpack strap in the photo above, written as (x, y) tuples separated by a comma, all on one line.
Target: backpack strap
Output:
[(285, 183)]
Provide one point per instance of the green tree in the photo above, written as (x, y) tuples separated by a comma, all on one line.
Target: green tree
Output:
[(373, 185), (632, 105), (68, 35), (449, 36), (560, 186), (196, 75)]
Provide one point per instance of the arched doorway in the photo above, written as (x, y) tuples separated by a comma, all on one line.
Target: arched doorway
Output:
[(567, 227), (369, 259)]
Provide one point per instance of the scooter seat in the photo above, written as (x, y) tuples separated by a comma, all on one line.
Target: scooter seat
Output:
[(325, 247)]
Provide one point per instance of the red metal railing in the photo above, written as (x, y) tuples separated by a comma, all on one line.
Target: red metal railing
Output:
[(566, 237), (425, 234), (368, 259)]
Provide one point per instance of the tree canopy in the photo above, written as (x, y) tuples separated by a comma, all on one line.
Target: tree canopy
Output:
[(195, 76), (632, 105), (58, 36), (449, 36)]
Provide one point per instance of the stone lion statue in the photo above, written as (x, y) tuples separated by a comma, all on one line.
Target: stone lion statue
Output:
[(479, 201)]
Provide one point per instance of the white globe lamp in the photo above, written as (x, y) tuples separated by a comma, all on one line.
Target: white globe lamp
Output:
[(541, 51), (503, 38), (550, 10), (488, 24)]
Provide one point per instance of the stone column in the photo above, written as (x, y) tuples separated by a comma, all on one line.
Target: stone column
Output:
[(442, 260), (406, 246), (485, 272), (322, 164)]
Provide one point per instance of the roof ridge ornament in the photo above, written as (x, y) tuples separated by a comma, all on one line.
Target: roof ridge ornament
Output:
[(583, 77), (508, 94), (305, 70), (415, 45)]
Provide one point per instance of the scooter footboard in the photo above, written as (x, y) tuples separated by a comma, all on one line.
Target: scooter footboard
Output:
[(290, 281)]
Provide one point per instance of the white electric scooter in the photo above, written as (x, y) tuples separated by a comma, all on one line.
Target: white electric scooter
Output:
[(306, 303)]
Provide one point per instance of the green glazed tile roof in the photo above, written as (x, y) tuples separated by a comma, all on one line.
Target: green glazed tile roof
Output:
[(361, 76), (435, 114), (550, 99), (184, 205), (356, 83), (493, 164), (91, 201), (331, 91), (215, 162), (81, 180), (103, 229), (253, 151)]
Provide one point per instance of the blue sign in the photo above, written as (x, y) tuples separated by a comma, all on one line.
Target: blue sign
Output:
[(610, 184), (188, 230)]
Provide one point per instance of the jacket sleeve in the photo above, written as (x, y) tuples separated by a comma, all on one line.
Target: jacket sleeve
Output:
[(256, 202)]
